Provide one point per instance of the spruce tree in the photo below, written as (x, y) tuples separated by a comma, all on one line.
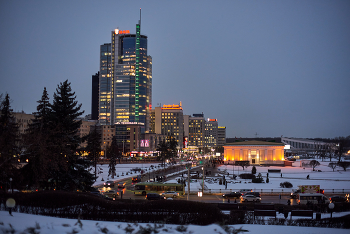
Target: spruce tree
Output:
[(94, 147), (71, 171), (36, 146), (8, 143), (112, 154)]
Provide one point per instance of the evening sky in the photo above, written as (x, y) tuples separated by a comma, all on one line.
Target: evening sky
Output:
[(269, 68)]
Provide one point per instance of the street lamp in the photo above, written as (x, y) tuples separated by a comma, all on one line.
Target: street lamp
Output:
[(11, 185), (331, 207), (203, 180)]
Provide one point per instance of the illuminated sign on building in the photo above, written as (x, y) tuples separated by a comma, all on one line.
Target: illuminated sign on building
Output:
[(117, 31), (173, 106), (144, 143), (212, 120)]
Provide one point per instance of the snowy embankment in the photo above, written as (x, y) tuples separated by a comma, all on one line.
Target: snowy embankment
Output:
[(25, 223)]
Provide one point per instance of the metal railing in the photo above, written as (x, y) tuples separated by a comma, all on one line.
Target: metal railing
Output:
[(265, 191)]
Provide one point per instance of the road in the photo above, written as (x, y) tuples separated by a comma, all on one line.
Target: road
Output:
[(214, 198)]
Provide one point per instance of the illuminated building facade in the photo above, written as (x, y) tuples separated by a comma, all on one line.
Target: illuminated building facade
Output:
[(221, 135), (256, 152), (196, 130), (211, 133), (125, 94), (168, 121)]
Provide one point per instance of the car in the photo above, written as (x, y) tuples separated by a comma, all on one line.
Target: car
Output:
[(232, 194), (108, 183), (121, 185), (172, 194), (257, 194), (154, 196), (249, 197), (337, 199), (111, 194), (244, 191)]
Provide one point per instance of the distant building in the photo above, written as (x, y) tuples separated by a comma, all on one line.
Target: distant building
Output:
[(94, 96), (168, 121), (125, 80), (196, 131), (23, 120), (221, 135), (211, 133), (255, 152)]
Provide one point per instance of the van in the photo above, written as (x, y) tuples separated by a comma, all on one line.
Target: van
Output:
[(312, 198)]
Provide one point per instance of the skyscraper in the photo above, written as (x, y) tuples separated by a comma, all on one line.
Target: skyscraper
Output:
[(125, 79)]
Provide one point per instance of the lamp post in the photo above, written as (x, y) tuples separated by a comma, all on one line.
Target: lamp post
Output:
[(203, 180), (331, 207), (11, 185)]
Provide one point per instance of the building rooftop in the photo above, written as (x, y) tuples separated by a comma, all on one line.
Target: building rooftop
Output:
[(255, 143)]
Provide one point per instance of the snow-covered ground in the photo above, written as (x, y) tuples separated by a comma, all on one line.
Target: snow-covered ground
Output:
[(323, 176), (25, 223), (327, 179)]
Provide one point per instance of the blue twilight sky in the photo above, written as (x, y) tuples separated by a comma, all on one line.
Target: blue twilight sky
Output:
[(267, 67)]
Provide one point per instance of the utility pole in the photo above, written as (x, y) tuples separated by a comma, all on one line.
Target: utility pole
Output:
[(188, 181)]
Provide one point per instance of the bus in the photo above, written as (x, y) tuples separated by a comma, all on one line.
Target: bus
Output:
[(313, 198), (143, 188)]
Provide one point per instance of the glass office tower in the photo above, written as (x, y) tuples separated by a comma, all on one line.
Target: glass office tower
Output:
[(126, 84)]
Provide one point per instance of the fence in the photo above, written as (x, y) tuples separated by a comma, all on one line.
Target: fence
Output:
[(271, 192)]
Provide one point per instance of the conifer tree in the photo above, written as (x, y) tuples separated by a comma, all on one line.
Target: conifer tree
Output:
[(94, 147), (8, 142), (71, 171), (112, 154), (36, 146)]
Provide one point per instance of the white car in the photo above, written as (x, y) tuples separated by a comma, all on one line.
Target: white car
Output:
[(250, 198), (111, 194), (172, 194)]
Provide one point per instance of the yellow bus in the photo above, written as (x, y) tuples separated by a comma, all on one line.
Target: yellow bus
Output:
[(144, 188)]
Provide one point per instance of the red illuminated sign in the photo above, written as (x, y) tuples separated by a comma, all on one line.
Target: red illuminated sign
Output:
[(117, 31)]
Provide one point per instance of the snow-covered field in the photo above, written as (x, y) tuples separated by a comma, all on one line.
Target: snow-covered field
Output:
[(25, 223), (323, 176), (327, 179)]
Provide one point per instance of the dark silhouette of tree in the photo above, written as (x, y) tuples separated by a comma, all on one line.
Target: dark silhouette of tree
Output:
[(344, 165), (36, 146), (243, 164), (172, 145), (332, 165), (314, 164), (113, 154), (254, 170), (70, 171), (163, 149), (342, 144), (94, 147), (8, 142)]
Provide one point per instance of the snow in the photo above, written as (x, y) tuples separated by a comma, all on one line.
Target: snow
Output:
[(327, 179), (25, 223)]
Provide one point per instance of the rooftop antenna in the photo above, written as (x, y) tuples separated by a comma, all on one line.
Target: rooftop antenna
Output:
[(140, 18)]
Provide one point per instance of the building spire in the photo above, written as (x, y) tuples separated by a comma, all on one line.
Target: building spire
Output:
[(140, 18)]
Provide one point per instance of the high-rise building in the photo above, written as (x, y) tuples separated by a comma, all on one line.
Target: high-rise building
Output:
[(168, 121), (221, 135), (94, 96), (125, 79), (211, 133)]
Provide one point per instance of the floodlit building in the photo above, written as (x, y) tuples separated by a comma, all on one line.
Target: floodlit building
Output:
[(168, 121), (255, 152), (211, 133), (125, 79)]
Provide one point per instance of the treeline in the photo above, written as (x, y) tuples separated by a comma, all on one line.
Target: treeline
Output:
[(49, 148)]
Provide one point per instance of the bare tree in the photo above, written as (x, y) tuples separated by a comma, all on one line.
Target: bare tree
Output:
[(314, 164), (332, 165)]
